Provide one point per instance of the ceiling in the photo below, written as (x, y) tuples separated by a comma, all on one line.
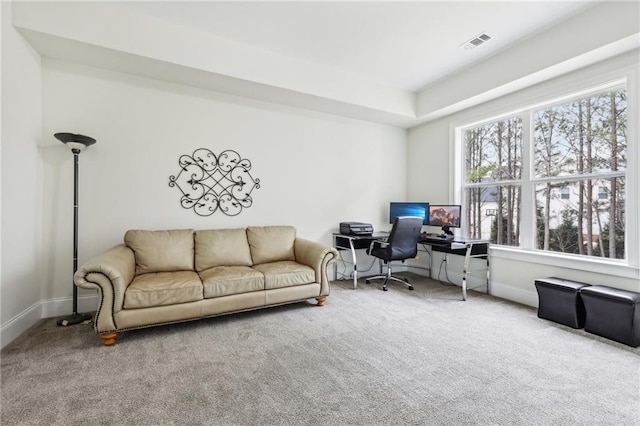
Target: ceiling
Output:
[(392, 63), (404, 45)]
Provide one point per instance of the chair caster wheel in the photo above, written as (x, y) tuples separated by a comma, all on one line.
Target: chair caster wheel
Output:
[(384, 289), (410, 287)]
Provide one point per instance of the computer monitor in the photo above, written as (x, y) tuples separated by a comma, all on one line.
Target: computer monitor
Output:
[(446, 216), (420, 209)]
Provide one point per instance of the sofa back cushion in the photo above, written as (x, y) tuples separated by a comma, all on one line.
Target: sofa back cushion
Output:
[(271, 243), (222, 247), (161, 251)]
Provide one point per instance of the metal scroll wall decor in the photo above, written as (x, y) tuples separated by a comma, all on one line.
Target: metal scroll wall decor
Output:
[(210, 183)]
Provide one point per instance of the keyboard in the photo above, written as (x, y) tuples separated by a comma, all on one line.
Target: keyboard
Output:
[(437, 237)]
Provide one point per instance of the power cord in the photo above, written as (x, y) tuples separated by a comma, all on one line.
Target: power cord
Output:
[(449, 282), (342, 275), (446, 273)]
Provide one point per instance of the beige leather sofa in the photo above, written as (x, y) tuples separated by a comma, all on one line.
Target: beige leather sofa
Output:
[(161, 277)]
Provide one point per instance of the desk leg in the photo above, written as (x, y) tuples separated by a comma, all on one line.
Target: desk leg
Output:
[(465, 268), (355, 266), (335, 264), (430, 253)]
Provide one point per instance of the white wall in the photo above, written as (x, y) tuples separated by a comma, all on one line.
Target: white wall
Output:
[(429, 163), (513, 273), (22, 262), (315, 170)]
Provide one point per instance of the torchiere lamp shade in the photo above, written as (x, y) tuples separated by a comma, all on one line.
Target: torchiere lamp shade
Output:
[(75, 141)]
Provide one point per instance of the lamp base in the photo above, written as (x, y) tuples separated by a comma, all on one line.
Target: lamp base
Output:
[(74, 319)]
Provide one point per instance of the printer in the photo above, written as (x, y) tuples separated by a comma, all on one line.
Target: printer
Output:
[(356, 228)]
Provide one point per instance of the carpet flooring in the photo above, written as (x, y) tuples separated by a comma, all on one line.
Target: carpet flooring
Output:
[(367, 357)]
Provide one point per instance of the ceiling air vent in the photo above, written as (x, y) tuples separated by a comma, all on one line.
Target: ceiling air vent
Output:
[(476, 41)]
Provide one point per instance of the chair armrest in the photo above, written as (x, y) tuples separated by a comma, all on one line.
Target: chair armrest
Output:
[(380, 242), (110, 274), (317, 256)]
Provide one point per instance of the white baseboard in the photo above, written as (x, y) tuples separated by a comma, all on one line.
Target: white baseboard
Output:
[(509, 292), (43, 309), (20, 323), (64, 305)]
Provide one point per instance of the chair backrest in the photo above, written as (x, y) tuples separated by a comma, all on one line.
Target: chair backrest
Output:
[(404, 236)]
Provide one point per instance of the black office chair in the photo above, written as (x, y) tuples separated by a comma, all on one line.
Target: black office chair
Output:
[(402, 244)]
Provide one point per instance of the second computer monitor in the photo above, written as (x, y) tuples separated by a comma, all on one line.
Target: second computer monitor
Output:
[(420, 209), (446, 216)]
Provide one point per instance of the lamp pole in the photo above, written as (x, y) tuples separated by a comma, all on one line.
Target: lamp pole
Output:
[(77, 143)]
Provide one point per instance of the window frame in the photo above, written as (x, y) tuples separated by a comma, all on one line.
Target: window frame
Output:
[(554, 93)]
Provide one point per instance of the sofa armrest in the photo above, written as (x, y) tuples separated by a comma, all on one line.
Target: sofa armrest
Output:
[(110, 274), (317, 256)]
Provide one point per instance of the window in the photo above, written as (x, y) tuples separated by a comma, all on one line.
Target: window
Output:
[(493, 172), (570, 157)]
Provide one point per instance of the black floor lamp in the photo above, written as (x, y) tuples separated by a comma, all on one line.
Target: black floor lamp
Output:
[(77, 143)]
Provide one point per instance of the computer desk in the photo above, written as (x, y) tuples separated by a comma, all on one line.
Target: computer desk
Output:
[(469, 248)]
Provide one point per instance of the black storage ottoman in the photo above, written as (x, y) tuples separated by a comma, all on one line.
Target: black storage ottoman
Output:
[(612, 313), (559, 301)]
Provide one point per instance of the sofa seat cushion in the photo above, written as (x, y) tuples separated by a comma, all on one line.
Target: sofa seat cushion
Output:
[(222, 247), (286, 273), (163, 288), (227, 280)]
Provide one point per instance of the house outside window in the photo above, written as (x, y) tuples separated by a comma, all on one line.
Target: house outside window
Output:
[(570, 157), (603, 193)]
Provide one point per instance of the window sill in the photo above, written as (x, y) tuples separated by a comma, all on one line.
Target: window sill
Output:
[(588, 264)]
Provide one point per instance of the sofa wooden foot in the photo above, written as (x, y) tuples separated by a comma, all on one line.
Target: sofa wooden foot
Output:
[(109, 339), (321, 300)]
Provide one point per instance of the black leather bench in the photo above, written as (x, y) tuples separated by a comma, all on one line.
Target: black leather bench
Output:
[(559, 301), (612, 313)]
